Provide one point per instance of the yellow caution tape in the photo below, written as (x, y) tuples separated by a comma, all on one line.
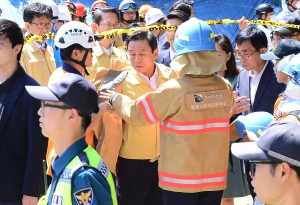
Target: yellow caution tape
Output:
[(115, 32), (257, 22), (103, 35)]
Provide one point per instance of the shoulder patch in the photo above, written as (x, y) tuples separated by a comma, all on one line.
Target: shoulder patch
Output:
[(84, 196)]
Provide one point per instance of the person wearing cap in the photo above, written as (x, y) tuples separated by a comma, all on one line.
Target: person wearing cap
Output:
[(265, 12), (155, 16), (289, 105), (63, 17), (193, 112), (174, 18), (71, 7), (97, 5), (80, 13), (142, 12), (104, 19), (185, 6), (79, 174), (286, 33), (37, 57), (131, 151), (289, 8), (128, 13), (285, 51), (75, 41), (274, 163), (22, 145)]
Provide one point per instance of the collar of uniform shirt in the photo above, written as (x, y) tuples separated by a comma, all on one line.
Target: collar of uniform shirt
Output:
[(153, 81), (42, 46), (109, 50), (172, 54)]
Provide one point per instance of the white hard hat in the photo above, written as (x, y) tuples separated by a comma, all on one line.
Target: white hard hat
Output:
[(64, 13), (54, 7), (153, 15), (74, 32)]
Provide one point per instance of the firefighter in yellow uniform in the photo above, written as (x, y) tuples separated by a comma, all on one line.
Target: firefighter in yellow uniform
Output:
[(193, 112), (79, 174)]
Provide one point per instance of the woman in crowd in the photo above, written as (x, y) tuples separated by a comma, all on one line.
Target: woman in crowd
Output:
[(236, 180)]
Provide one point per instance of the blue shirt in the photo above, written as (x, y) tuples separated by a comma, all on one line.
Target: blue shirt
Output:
[(56, 51), (84, 179)]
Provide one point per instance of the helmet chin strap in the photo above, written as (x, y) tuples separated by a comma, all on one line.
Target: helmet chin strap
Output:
[(81, 63), (129, 21)]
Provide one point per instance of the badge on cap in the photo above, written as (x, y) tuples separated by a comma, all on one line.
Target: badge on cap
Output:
[(84, 196)]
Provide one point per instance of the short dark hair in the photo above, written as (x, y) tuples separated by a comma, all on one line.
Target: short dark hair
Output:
[(226, 46), (296, 169), (85, 121), (125, 35), (37, 9), (97, 17), (183, 7), (12, 31), (179, 15), (143, 35), (65, 53), (255, 36)]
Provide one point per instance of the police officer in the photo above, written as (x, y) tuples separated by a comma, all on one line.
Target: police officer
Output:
[(79, 174)]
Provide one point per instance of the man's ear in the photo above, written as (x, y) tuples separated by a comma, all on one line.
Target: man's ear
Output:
[(285, 170), (263, 50), (94, 27), (27, 26), (18, 48), (155, 52)]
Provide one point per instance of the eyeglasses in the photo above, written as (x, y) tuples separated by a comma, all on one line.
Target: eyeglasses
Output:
[(115, 25), (244, 56), (63, 107), (1, 43), (43, 25), (253, 165)]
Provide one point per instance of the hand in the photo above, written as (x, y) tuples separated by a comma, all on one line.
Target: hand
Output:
[(29, 200), (241, 104), (106, 96), (243, 23), (250, 136)]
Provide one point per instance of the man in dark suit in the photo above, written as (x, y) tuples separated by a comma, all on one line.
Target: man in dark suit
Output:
[(174, 18), (257, 87), (22, 145)]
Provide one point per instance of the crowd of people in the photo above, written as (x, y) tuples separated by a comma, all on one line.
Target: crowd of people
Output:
[(147, 117)]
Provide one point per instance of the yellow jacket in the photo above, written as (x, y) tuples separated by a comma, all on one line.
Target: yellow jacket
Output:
[(101, 59), (38, 65), (116, 136), (193, 112)]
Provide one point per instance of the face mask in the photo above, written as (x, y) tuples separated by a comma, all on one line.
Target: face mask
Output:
[(296, 13), (298, 5)]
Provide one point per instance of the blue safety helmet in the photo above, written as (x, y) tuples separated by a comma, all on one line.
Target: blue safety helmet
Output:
[(255, 122), (128, 6), (194, 35), (293, 68)]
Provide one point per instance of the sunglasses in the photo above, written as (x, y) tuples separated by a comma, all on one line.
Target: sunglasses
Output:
[(254, 163)]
